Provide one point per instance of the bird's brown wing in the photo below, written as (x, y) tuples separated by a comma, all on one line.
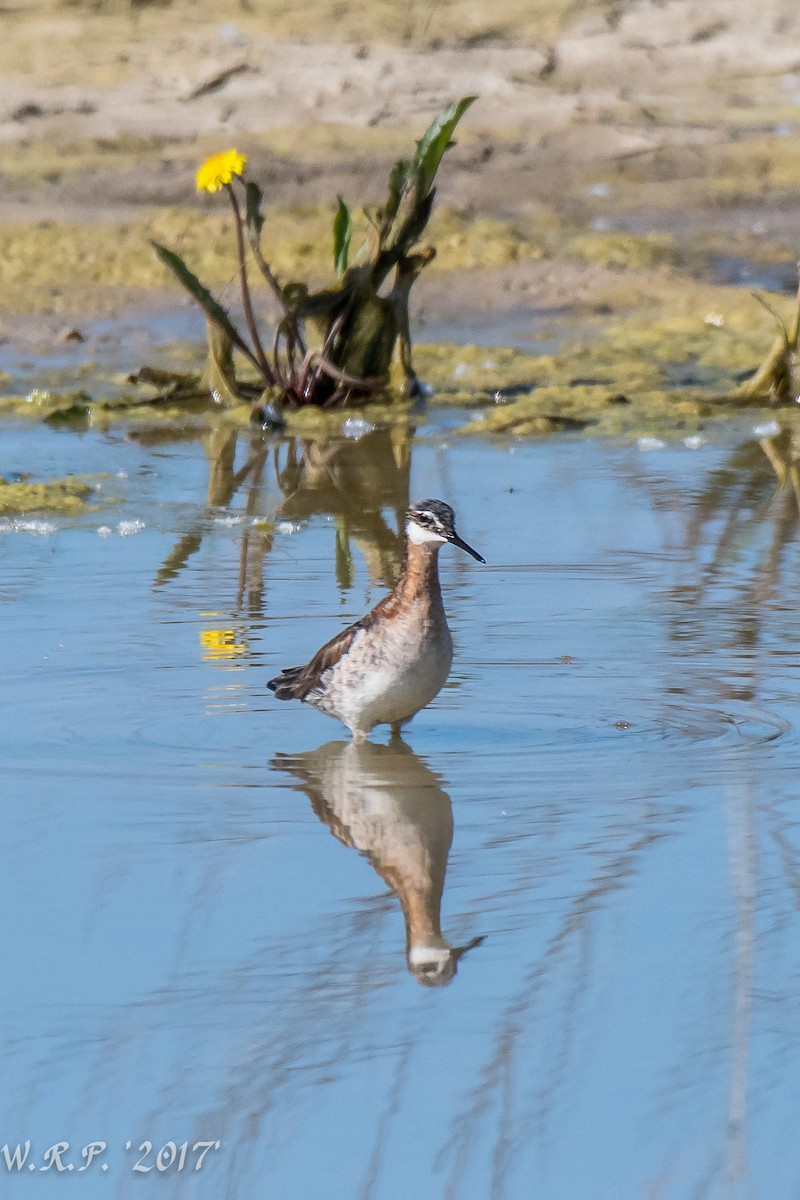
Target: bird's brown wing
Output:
[(297, 683), (326, 657)]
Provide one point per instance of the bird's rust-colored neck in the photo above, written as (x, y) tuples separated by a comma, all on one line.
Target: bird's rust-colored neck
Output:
[(420, 899), (420, 574)]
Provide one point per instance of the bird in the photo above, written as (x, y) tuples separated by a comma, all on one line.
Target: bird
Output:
[(385, 667)]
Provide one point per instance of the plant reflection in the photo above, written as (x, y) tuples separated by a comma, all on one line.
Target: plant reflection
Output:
[(385, 802), (754, 496), (730, 604), (352, 480), (750, 504), (743, 525)]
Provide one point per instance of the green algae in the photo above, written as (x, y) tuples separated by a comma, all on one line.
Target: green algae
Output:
[(320, 424), (654, 351), (42, 404), (648, 369), (36, 259), (680, 179), (624, 250), (67, 496), (659, 369), (597, 407)]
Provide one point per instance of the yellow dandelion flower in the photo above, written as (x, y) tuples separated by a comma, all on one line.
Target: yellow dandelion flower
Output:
[(219, 170)]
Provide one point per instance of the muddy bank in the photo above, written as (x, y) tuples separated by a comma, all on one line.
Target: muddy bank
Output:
[(623, 175), (105, 110)]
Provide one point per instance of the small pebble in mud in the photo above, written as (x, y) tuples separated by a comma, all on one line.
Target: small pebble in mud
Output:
[(25, 111), (268, 417), (232, 35)]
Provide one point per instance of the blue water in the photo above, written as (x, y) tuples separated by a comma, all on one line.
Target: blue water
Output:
[(191, 954)]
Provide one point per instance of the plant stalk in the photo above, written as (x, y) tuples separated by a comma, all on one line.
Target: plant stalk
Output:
[(266, 271), (247, 303)]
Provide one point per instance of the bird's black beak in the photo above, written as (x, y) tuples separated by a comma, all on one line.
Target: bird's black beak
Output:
[(459, 951), (457, 541)]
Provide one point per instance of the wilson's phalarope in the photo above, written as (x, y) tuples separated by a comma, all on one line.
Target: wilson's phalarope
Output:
[(390, 664)]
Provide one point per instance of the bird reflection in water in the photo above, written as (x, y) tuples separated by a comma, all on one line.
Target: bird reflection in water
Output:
[(385, 802)]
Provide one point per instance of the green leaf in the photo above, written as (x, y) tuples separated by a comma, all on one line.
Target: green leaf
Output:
[(434, 142), (399, 178), (254, 217), (214, 311), (342, 233)]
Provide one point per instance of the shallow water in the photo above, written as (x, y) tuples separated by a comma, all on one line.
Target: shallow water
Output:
[(203, 937)]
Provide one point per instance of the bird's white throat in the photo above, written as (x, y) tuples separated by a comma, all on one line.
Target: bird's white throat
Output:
[(420, 536), (422, 956)]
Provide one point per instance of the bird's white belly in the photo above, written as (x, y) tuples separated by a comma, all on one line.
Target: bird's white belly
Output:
[(386, 679)]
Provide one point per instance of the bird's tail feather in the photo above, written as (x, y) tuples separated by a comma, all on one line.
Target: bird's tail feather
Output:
[(285, 685)]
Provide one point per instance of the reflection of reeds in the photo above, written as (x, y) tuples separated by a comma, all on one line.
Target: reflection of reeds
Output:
[(734, 536), (326, 1015), (732, 545), (497, 1083), (352, 480), (737, 538), (742, 852), (743, 506)]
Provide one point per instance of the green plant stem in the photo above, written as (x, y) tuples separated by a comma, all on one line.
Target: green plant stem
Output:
[(263, 363), (266, 271)]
